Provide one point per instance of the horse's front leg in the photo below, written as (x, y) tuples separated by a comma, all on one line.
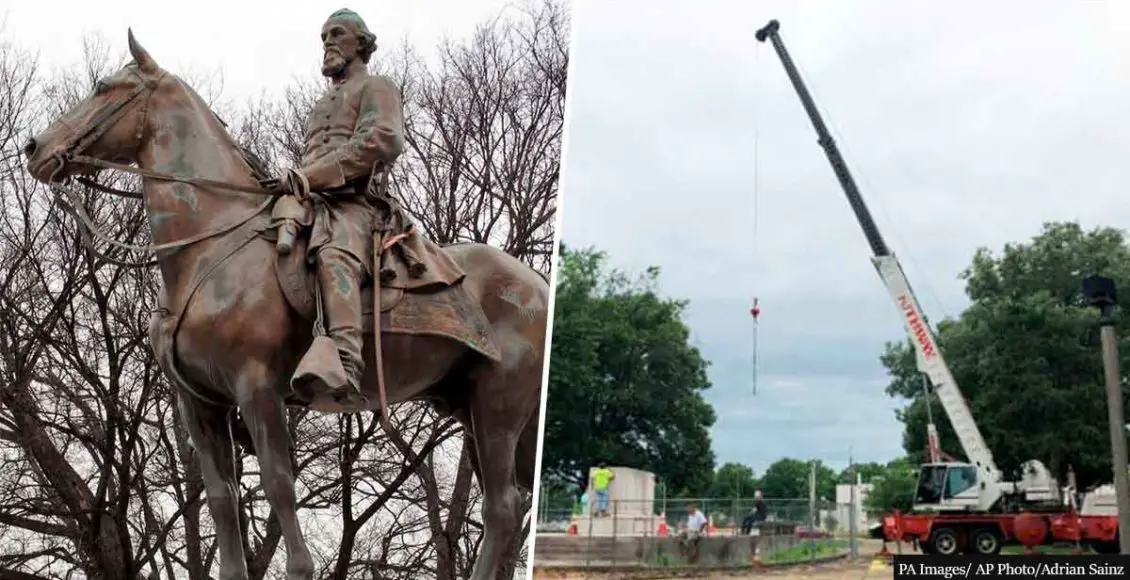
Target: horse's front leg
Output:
[(265, 416), (208, 429)]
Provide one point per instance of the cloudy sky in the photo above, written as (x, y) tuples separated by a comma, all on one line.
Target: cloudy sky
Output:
[(255, 45), (966, 124)]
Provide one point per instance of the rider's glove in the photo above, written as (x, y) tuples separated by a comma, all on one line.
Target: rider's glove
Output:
[(291, 182)]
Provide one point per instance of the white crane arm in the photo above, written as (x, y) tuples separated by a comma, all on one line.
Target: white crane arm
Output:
[(932, 363)]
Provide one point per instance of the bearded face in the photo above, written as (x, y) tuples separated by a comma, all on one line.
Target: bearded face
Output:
[(341, 45)]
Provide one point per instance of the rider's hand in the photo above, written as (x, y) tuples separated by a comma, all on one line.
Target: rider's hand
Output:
[(277, 185), (290, 182)]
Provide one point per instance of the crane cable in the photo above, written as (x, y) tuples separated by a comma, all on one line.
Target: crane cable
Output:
[(755, 310)]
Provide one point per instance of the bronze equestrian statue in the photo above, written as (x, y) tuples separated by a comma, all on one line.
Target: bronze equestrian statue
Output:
[(247, 324)]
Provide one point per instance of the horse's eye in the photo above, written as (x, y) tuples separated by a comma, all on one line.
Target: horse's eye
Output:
[(100, 87)]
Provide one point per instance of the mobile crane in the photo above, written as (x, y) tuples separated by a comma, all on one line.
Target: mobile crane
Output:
[(958, 506)]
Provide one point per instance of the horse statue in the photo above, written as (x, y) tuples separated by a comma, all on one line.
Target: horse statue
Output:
[(236, 315)]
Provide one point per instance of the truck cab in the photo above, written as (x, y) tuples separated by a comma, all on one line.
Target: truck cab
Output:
[(947, 487)]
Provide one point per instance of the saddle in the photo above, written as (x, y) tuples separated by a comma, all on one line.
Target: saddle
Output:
[(416, 288), (404, 262)]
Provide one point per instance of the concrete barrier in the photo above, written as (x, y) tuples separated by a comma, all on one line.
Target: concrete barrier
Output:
[(712, 551)]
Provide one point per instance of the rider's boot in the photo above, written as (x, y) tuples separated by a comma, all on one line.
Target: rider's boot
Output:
[(339, 276)]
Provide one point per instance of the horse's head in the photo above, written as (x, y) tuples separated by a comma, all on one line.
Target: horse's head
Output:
[(108, 125)]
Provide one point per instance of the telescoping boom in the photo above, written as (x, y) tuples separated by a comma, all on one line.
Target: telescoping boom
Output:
[(890, 271)]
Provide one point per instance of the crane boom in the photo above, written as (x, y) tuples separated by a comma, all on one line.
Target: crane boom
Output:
[(891, 272)]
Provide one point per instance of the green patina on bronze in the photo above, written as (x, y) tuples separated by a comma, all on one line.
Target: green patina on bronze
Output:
[(347, 15)]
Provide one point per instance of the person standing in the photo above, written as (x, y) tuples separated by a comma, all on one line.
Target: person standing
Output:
[(600, 479)]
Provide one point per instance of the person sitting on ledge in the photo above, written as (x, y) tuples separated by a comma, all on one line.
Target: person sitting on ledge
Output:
[(756, 515), (693, 531)]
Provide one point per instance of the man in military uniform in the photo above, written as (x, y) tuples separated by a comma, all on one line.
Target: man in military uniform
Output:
[(356, 129)]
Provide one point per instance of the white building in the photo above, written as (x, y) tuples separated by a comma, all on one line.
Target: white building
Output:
[(843, 507)]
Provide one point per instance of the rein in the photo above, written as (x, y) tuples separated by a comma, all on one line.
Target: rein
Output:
[(197, 181), (77, 208), (102, 124)]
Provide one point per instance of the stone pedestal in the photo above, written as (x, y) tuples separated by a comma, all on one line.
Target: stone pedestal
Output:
[(631, 506)]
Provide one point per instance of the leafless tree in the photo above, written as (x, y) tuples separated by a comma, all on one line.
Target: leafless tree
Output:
[(97, 478), (484, 133)]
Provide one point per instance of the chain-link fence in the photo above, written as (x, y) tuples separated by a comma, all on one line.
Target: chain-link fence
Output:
[(655, 533)]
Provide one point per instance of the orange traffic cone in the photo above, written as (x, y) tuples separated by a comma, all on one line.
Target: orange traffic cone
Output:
[(572, 529), (711, 529), (662, 530)]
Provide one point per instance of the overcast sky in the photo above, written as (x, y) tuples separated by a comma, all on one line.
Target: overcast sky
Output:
[(965, 124), (256, 45)]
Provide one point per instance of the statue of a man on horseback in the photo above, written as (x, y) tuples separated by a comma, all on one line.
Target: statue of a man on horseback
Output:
[(354, 134), (462, 326)]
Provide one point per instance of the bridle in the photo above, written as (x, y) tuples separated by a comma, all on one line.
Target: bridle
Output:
[(106, 120)]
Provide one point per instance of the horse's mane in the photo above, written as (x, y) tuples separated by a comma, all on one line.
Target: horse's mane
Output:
[(259, 168)]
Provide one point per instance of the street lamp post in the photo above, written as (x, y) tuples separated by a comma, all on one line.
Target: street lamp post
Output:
[(1101, 294)]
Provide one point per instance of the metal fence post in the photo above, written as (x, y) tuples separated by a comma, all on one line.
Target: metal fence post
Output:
[(615, 531), (812, 511), (853, 513), (588, 538)]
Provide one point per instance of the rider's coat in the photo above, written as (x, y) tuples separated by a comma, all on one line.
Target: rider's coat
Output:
[(356, 125)]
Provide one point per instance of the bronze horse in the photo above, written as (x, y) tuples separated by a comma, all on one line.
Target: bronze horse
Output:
[(237, 339)]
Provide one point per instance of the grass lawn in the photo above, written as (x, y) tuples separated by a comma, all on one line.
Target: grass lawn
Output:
[(806, 550), (1062, 550)]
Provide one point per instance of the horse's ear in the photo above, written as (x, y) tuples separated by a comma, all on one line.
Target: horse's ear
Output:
[(141, 56)]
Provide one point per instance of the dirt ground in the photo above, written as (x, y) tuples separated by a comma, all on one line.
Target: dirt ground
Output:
[(862, 569)]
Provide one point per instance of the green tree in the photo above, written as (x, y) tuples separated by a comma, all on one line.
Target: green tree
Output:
[(558, 498), (625, 385), (893, 489), (787, 478), (1025, 355), (867, 471), (732, 480)]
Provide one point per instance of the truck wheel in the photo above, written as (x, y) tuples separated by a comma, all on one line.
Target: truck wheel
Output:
[(944, 542), (985, 541)]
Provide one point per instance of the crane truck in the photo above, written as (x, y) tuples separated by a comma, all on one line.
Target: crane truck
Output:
[(959, 506)]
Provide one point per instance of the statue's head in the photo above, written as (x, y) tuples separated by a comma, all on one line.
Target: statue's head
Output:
[(345, 39)]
